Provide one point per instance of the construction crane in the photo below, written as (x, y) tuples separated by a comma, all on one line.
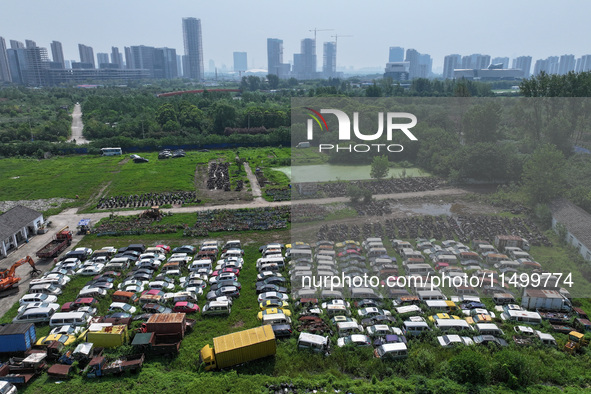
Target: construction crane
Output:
[(336, 37), (316, 30), (8, 278)]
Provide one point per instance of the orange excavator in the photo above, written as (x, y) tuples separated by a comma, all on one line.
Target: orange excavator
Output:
[(8, 277)]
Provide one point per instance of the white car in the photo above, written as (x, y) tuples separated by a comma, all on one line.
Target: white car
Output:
[(88, 291), (91, 270), (24, 307), (37, 297), (373, 311), (66, 330), (122, 307), (378, 330), (154, 256), (357, 340), (132, 282), (91, 311), (56, 275), (272, 295), (452, 340), (335, 302), (161, 285)]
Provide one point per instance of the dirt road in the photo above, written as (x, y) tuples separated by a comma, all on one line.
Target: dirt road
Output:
[(77, 126)]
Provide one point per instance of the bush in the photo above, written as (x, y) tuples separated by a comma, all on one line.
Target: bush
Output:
[(469, 367), (514, 369)]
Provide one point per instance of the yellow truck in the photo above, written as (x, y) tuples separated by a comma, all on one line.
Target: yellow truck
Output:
[(108, 336), (239, 347)]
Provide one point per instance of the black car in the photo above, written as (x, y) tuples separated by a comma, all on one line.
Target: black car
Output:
[(119, 315), (185, 249), (271, 287), (379, 319), (140, 160), (226, 291), (282, 330), (222, 283), (272, 280)]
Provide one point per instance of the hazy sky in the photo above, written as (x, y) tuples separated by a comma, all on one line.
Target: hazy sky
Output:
[(498, 28)]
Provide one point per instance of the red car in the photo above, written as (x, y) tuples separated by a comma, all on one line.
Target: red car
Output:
[(153, 292), (80, 302), (166, 248), (185, 307), (235, 271)]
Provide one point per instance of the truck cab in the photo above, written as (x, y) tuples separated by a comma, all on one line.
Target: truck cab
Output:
[(207, 357)]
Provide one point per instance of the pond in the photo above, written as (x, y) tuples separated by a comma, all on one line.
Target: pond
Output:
[(330, 172)]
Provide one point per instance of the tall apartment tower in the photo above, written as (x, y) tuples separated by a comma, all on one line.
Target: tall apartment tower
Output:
[(116, 57), (329, 64), (4, 68), (396, 54), (240, 61), (567, 64), (102, 58), (450, 63), (193, 61), (57, 53), (274, 55), (523, 63), (86, 55)]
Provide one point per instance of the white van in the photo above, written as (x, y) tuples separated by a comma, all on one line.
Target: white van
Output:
[(181, 296), (35, 315), (217, 308), (415, 328), (425, 295), (392, 351), (452, 324), (522, 317), (420, 269), (69, 319), (199, 264), (363, 292), (349, 328), (276, 318), (313, 342), (118, 264), (47, 288), (488, 329), (58, 282), (280, 261)]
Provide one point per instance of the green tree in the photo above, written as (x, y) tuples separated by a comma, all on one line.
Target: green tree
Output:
[(379, 167), (273, 81), (481, 123), (543, 175), (355, 193)]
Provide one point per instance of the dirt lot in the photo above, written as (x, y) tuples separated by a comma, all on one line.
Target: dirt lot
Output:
[(217, 197)]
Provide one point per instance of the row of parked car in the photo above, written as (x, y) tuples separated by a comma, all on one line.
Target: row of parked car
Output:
[(368, 320), (140, 281)]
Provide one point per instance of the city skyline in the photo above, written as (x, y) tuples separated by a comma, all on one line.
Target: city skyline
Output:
[(159, 27)]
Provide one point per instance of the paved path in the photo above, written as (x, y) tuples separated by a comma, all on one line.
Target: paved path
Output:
[(70, 217), (77, 126)]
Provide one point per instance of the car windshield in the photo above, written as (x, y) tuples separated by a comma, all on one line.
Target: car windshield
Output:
[(160, 309), (126, 307)]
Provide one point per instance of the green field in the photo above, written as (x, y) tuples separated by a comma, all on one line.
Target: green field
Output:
[(86, 176)]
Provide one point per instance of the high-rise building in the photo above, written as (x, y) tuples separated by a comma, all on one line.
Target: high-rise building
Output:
[(37, 62), (169, 62), (29, 44), (179, 66), (4, 68), (567, 64), (14, 44), (549, 65), (583, 64), (475, 61), (102, 58), (86, 55), (413, 59), (116, 57), (329, 62), (240, 62), (275, 63), (17, 63), (501, 60), (450, 63), (425, 65), (523, 63), (396, 54), (193, 65), (304, 63), (128, 61), (57, 53)]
